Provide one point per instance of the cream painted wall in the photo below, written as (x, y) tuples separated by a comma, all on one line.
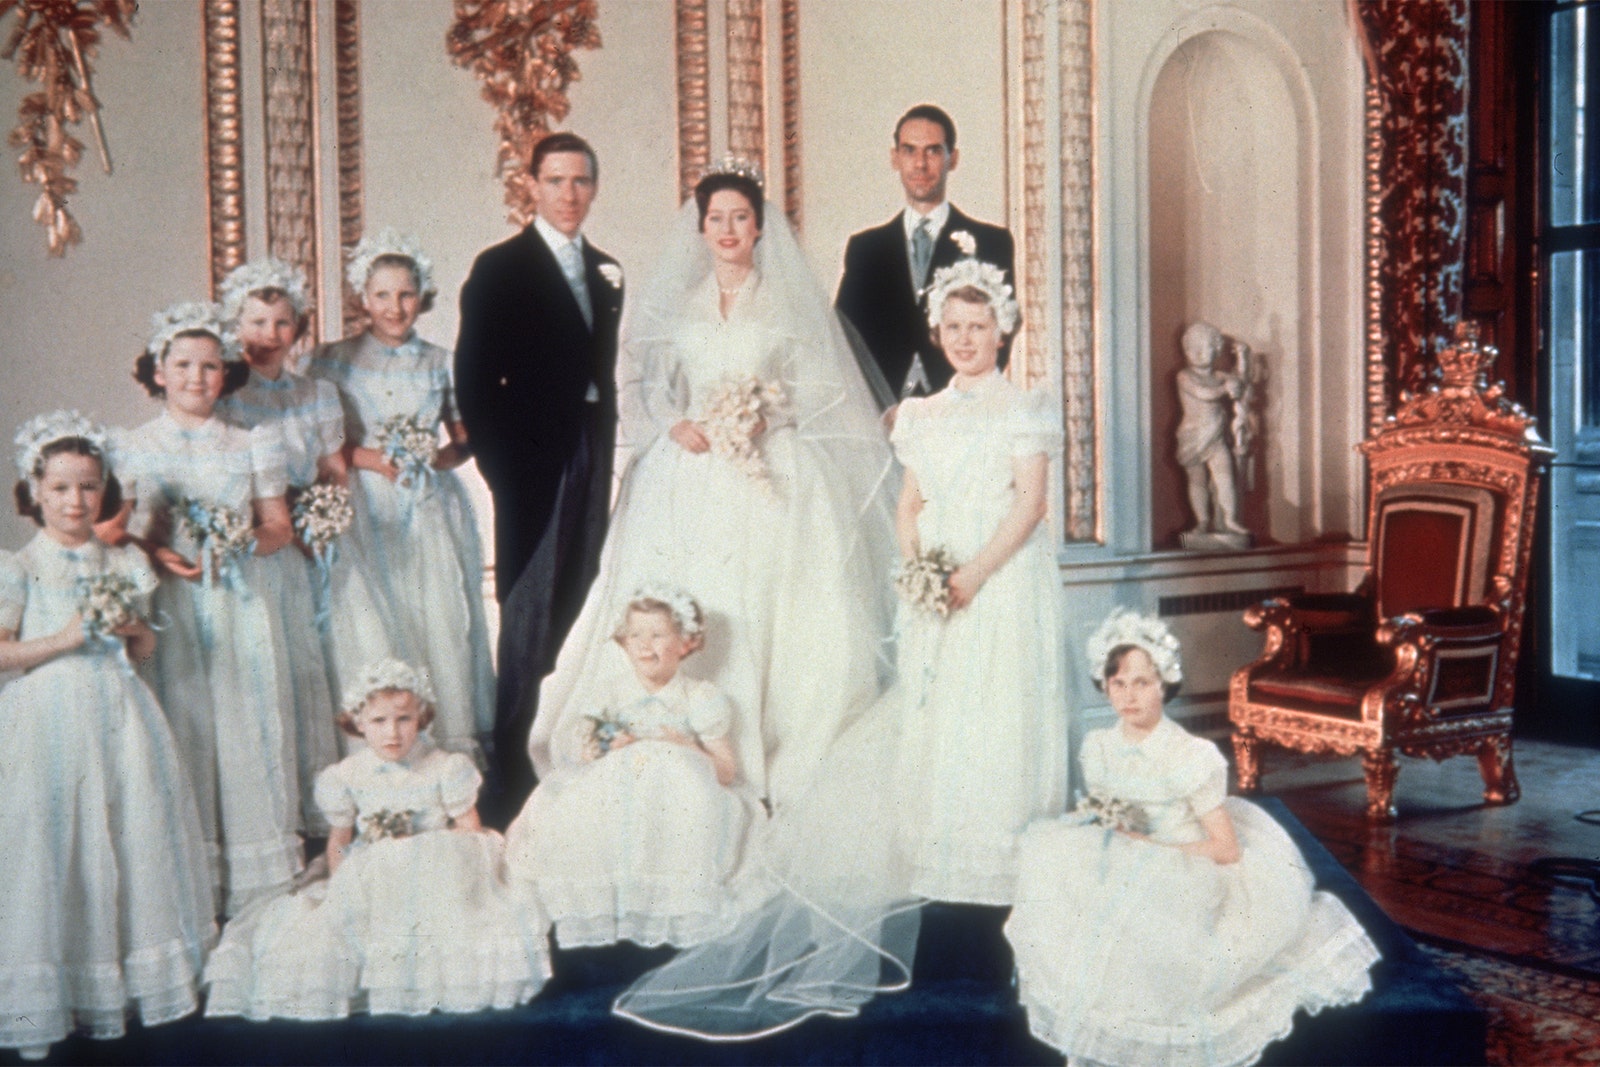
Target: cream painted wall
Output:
[(70, 328)]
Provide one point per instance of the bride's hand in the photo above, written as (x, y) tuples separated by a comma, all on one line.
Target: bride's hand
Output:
[(690, 437)]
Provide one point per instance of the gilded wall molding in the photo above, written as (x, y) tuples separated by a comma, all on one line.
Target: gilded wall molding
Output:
[(1377, 369), (790, 52), (347, 87), (522, 53), (694, 94), (53, 44), (1081, 456), (289, 85), (224, 139), (747, 81), (1035, 241)]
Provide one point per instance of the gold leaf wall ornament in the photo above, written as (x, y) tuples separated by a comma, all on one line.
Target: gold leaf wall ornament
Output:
[(522, 52), (52, 42)]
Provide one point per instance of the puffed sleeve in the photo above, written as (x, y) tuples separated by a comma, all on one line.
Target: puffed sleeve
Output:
[(269, 462), (334, 797), (909, 430), (448, 410), (329, 414), (1204, 776), (127, 463), (1092, 758), (459, 782), (710, 712), (1034, 425), (13, 591)]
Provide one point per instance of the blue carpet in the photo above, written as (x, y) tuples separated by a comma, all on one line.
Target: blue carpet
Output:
[(961, 1009)]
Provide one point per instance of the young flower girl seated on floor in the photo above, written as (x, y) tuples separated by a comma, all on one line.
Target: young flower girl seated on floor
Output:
[(415, 915), (1162, 921), (638, 831)]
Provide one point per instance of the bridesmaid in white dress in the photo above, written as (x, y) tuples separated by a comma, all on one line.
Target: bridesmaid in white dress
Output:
[(106, 907), (220, 670), (1164, 922), (264, 303), (983, 742), (414, 526), (638, 832), (780, 525), (415, 915)]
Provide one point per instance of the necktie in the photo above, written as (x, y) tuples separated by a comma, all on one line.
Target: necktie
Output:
[(921, 253), (572, 266)]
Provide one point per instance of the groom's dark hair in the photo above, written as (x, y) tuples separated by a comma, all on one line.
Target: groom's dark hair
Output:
[(930, 113), (552, 143)]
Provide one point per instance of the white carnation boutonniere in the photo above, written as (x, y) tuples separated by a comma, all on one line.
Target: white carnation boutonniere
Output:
[(966, 242), (612, 274)]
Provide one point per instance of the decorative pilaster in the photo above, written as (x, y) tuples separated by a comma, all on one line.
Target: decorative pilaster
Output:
[(694, 94), (1076, 111), (224, 139), (291, 176), (747, 82)]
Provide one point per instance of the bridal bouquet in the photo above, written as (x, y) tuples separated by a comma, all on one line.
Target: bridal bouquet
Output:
[(1100, 809), (220, 532), (736, 414), (106, 603), (410, 444), (924, 581), (386, 823), (322, 514), (603, 731)]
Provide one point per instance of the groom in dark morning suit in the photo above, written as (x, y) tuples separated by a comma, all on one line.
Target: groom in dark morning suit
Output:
[(887, 268), (536, 382)]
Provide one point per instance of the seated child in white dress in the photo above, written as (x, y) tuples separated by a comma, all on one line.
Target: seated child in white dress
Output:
[(415, 915), (1162, 921), (637, 832)]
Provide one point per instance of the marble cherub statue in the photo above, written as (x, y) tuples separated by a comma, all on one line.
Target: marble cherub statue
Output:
[(1215, 436)]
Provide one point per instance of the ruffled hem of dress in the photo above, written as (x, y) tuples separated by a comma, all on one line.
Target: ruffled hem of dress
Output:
[(975, 871), (649, 930), (260, 869), (1336, 973), (158, 984)]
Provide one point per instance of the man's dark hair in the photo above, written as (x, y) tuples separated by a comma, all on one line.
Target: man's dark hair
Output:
[(930, 113), (564, 142)]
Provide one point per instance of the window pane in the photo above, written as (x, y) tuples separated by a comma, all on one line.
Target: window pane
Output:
[(1574, 136), (1575, 338)]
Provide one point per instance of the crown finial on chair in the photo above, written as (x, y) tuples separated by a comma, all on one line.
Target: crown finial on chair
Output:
[(1465, 360)]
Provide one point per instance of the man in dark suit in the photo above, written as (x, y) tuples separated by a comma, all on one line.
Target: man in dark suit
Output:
[(536, 383), (887, 268)]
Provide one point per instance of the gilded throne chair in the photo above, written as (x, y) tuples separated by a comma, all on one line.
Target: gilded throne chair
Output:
[(1422, 658)]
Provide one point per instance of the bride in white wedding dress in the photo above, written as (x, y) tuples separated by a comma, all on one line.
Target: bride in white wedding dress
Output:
[(761, 486)]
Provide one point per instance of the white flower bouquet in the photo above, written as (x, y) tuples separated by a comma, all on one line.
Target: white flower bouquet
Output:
[(221, 533), (322, 514), (738, 412), (410, 444), (924, 581), (603, 731), (106, 603), (1113, 813)]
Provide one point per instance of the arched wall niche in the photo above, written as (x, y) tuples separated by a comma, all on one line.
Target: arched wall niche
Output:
[(1233, 238)]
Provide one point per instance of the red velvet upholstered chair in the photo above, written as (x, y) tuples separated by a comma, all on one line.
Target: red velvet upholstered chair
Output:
[(1422, 658)]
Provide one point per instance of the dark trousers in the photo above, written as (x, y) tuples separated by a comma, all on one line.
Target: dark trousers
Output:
[(541, 606)]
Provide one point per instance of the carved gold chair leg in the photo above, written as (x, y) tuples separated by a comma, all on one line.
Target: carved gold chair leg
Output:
[(1247, 761), (1380, 769), (1499, 775)]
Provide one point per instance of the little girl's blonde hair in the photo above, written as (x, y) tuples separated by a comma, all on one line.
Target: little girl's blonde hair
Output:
[(685, 612), (386, 676)]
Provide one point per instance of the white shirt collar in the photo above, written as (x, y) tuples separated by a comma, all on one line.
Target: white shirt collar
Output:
[(554, 239), (939, 215)]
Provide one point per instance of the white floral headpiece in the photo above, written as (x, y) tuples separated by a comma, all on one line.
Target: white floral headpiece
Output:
[(41, 431), (686, 613), (985, 277), (1125, 627), (389, 242), (744, 168), (387, 674), (259, 274), (192, 316)]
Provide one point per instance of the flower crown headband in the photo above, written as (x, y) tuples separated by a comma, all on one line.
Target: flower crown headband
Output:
[(192, 316), (985, 277), (389, 242), (387, 674), (686, 612), (744, 168), (42, 431), (260, 274), (1125, 627)]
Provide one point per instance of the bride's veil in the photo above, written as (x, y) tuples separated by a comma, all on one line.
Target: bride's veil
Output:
[(834, 922)]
